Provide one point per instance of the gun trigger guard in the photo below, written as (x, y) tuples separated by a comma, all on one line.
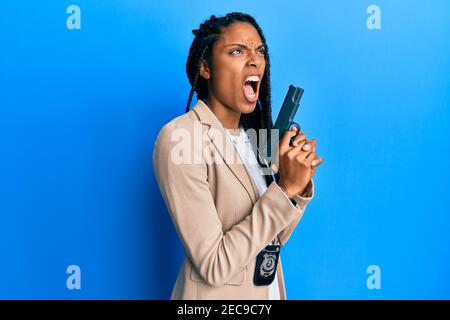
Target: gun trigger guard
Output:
[(294, 124)]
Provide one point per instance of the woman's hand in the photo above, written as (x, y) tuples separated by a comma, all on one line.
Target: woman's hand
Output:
[(297, 163)]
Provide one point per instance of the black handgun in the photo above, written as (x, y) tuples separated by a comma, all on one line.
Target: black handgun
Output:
[(285, 119)]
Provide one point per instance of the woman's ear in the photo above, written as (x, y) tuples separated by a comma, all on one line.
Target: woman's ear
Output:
[(205, 71)]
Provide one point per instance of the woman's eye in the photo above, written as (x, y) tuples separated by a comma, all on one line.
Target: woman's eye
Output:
[(261, 51)]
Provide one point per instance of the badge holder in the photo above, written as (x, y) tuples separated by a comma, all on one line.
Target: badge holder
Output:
[(266, 265)]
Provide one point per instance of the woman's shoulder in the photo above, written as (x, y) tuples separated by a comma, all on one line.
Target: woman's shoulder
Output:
[(178, 125), (179, 135)]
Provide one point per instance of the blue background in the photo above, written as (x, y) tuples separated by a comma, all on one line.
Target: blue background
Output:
[(80, 110)]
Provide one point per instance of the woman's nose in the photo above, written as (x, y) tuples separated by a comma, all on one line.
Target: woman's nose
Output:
[(253, 60)]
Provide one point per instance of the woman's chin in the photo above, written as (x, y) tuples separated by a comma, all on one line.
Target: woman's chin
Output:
[(248, 107)]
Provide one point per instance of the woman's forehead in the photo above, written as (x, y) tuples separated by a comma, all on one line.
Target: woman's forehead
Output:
[(240, 32)]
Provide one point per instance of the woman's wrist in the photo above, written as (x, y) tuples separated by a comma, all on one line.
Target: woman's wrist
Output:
[(285, 192), (291, 198), (291, 194), (283, 187)]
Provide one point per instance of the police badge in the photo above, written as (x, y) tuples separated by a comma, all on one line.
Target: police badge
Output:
[(266, 265)]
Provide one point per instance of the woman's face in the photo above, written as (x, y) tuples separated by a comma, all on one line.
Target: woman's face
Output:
[(237, 54)]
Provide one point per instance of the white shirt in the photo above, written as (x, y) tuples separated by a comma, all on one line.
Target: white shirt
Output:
[(248, 157)]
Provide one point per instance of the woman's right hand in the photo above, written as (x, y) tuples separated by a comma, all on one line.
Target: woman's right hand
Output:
[(296, 165)]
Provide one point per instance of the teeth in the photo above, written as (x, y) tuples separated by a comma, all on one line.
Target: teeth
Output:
[(252, 78)]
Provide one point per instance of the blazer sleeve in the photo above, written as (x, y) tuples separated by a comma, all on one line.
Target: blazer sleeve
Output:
[(286, 233), (216, 255)]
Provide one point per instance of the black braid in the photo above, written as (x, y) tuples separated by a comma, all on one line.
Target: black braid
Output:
[(201, 48), (197, 74)]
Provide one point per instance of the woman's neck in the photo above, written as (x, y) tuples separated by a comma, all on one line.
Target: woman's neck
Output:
[(227, 116)]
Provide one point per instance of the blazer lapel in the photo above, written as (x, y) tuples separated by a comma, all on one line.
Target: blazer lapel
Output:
[(225, 148)]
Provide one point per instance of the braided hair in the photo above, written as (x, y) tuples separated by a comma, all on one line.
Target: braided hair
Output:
[(201, 48)]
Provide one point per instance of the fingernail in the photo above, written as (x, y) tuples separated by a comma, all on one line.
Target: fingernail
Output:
[(314, 162)]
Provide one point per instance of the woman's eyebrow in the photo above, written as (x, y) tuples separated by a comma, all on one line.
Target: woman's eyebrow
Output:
[(242, 45)]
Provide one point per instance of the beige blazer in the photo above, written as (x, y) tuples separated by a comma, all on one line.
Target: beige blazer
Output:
[(215, 208)]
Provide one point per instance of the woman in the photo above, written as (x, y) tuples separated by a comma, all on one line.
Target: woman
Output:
[(231, 218)]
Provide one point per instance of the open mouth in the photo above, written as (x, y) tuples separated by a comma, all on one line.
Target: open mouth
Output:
[(251, 87)]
